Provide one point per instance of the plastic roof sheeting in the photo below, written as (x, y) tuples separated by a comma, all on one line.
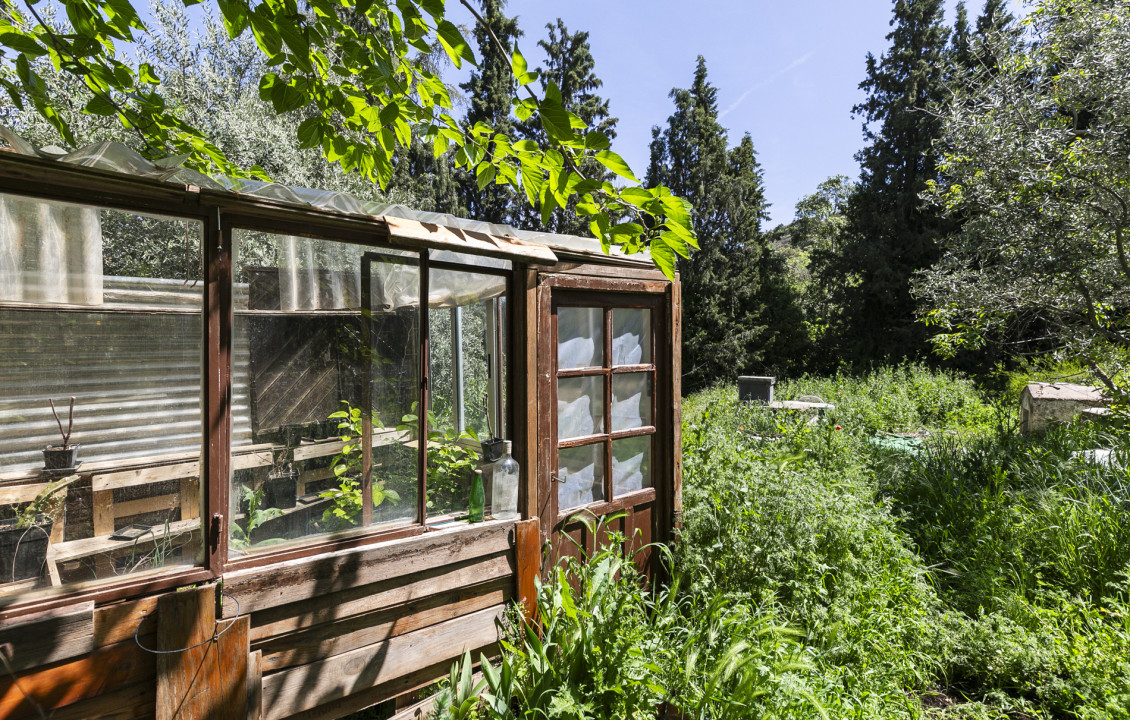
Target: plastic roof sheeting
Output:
[(441, 230)]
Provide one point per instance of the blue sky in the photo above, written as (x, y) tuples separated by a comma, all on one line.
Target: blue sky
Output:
[(787, 73)]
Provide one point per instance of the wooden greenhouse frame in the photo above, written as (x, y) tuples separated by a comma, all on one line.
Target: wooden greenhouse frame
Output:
[(340, 622)]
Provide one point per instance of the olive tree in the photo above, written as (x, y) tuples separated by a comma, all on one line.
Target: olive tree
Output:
[(1036, 165)]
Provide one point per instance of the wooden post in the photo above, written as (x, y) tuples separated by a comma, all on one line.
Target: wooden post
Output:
[(205, 682), (527, 552)]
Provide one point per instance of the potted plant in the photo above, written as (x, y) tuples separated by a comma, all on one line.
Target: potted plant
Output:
[(24, 538), (494, 445), (65, 456)]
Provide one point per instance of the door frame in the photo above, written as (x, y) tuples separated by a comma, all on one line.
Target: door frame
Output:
[(661, 501)]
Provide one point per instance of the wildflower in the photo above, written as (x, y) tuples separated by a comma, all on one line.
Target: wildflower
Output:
[(839, 428)]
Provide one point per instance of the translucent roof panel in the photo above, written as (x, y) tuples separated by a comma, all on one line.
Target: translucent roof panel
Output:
[(116, 157)]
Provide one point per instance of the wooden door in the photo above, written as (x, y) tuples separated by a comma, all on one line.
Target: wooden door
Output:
[(605, 424)]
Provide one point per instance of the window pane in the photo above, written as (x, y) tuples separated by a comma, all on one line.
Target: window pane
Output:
[(580, 472), (631, 400), (631, 464), (631, 336), (327, 342), (104, 307), (580, 406), (465, 323), (580, 337)]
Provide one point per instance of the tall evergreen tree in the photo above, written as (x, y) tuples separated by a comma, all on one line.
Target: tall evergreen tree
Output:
[(735, 297), (889, 235), (489, 90), (570, 65)]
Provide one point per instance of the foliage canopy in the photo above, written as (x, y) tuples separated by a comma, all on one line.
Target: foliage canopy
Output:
[(359, 74)]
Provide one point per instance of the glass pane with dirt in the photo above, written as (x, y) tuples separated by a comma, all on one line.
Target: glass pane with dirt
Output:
[(100, 386), (326, 365)]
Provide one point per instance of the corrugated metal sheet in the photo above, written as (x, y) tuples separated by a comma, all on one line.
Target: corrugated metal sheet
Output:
[(135, 374)]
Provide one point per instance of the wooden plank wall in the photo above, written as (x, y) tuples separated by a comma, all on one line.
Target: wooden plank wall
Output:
[(317, 637)]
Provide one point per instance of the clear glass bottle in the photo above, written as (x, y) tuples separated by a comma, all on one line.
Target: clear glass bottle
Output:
[(504, 486), (477, 500)]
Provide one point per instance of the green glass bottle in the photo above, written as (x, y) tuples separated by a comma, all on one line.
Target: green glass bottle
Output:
[(477, 501)]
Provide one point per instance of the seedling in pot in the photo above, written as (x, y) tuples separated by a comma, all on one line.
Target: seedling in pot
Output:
[(65, 456)]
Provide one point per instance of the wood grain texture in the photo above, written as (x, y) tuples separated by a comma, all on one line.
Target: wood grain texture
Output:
[(56, 686), (118, 622), (304, 578), (527, 549), (377, 596), (676, 321), (208, 682), (604, 284), (49, 637), (324, 641), (362, 699), (133, 702), (255, 686), (308, 686)]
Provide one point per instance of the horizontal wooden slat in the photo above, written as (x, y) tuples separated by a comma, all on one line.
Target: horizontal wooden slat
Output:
[(307, 686), (144, 476), (133, 702), (97, 545), (303, 578), (118, 622), (376, 596), (146, 505), (11, 494), (324, 641), (104, 670), (49, 637)]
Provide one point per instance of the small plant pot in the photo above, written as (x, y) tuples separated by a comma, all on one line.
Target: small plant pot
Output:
[(23, 551), (60, 457), (281, 490), (493, 449)]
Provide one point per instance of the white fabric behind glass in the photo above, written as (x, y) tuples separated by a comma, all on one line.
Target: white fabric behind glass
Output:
[(581, 472), (49, 252), (631, 336), (580, 337), (580, 406), (631, 400), (631, 464)]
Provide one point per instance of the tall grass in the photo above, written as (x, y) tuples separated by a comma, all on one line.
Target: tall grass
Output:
[(820, 574)]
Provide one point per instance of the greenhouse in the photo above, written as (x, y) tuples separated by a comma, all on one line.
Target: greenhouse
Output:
[(243, 425)]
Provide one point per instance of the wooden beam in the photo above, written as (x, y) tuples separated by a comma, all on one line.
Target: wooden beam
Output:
[(49, 637), (255, 686), (118, 622), (324, 641), (309, 577), (328, 609), (133, 702), (305, 687), (104, 670), (527, 550), (208, 681)]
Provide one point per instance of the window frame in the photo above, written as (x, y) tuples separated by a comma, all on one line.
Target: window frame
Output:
[(332, 542), (639, 295), (219, 213)]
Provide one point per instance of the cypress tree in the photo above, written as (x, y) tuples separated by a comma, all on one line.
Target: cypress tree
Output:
[(730, 285), (489, 90), (889, 235), (570, 65)]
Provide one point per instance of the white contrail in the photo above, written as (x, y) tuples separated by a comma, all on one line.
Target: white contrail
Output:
[(791, 66)]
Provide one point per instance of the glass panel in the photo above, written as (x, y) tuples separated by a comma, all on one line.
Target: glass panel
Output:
[(326, 340), (102, 308), (631, 336), (580, 472), (580, 406), (631, 464), (631, 400), (580, 337), (465, 323)]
